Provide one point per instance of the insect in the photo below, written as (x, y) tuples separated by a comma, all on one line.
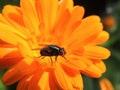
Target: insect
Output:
[(52, 50)]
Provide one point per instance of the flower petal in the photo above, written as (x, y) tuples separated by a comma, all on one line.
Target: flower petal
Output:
[(75, 49), (10, 35), (25, 50), (4, 44), (87, 62), (23, 83), (62, 79), (77, 82), (42, 81), (53, 85), (47, 11), (10, 74), (75, 77), (63, 5), (4, 51), (9, 57), (3, 19), (18, 71), (75, 20), (74, 62), (14, 19), (53, 5), (105, 84), (101, 66), (102, 37), (16, 12), (33, 85), (85, 35), (60, 25), (92, 71), (96, 52), (77, 13), (30, 16)]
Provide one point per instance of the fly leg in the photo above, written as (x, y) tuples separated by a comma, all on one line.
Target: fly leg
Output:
[(51, 61)]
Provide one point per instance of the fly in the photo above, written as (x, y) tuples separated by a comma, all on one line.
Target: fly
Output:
[(52, 50)]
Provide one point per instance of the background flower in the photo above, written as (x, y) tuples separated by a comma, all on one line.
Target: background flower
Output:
[(105, 84)]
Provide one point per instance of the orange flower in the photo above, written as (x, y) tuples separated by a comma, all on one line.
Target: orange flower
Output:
[(109, 21), (37, 24), (105, 84)]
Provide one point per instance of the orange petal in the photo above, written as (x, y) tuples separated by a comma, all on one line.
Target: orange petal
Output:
[(92, 18), (62, 79), (17, 14), (87, 31), (3, 44), (101, 66), (75, 49), (12, 76), (10, 35), (4, 51), (74, 62), (42, 81), (9, 57), (30, 16), (25, 50), (53, 85), (92, 71), (63, 16), (87, 62), (3, 19), (63, 5), (52, 6), (77, 82), (75, 77), (61, 25), (23, 83), (96, 52), (101, 38), (42, 12), (18, 71), (75, 20), (77, 13), (33, 85), (14, 19), (53, 12), (42, 8), (105, 84), (47, 11)]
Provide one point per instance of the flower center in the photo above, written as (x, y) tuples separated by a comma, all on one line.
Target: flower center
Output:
[(50, 51)]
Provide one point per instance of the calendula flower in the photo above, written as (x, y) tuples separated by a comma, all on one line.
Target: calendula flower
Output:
[(46, 44), (109, 21), (105, 84)]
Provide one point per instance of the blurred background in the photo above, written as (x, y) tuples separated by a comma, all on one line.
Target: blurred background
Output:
[(109, 11)]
